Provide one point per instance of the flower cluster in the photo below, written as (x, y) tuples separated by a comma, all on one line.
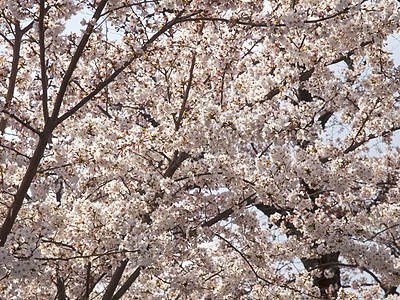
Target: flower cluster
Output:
[(201, 149)]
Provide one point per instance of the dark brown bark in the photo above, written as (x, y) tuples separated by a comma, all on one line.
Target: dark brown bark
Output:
[(116, 277), (177, 160), (25, 184), (61, 289), (13, 74), (74, 61), (226, 213), (185, 96), (48, 128), (128, 283), (43, 61), (328, 285)]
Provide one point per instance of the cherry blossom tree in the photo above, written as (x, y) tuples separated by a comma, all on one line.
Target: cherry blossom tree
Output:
[(235, 149)]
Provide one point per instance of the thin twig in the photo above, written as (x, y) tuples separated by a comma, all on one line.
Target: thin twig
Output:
[(16, 151), (23, 123), (244, 258)]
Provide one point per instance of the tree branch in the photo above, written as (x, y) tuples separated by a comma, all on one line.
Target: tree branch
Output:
[(260, 24), (60, 289), (226, 213), (108, 295), (16, 151), (244, 258), (186, 94), (74, 62), (42, 49), (354, 146), (13, 74), (88, 280), (128, 283), (328, 17), (176, 161), (47, 131), (22, 122), (111, 78), (24, 186)]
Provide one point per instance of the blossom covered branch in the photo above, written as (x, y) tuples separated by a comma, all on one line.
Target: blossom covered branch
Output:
[(199, 149)]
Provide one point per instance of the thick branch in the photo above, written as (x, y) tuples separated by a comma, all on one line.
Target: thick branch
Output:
[(128, 283), (97, 281), (74, 62), (43, 61), (226, 213), (47, 131), (176, 161), (61, 289), (108, 295), (13, 74), (111, 78), (25, 184), (88, 280)]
